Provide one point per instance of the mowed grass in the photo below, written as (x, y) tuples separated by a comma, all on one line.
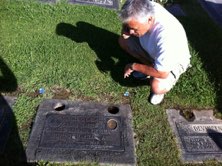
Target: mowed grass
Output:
[(74, 48)]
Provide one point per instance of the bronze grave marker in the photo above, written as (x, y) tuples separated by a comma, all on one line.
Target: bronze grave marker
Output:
[(66, 131), (199, 139)]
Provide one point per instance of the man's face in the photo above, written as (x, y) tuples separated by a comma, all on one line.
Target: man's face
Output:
[(137, 28)]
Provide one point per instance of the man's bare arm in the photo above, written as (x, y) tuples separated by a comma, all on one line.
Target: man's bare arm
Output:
[(145, 69)]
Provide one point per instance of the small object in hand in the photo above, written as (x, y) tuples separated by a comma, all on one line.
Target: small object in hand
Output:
[(41, 90), (126, 94)]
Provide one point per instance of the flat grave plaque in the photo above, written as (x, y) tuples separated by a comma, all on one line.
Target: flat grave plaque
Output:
[(199, 140), (114, 4), (48, 1), (67, 131)]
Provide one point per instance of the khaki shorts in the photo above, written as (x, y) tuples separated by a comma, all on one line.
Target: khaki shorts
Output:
[(133, 44)]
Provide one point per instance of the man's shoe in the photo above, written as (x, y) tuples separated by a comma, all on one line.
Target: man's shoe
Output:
[(156, 98)]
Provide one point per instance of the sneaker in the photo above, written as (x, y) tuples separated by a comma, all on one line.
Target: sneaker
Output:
[(140, 76), (156, 98)]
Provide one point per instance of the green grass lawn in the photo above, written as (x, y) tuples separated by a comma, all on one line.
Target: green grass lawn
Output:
[(72, 52)]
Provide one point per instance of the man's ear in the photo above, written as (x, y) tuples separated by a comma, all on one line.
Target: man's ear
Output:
[(150, 19)]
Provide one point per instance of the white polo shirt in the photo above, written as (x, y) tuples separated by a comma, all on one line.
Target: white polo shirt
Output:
[(166, 42)]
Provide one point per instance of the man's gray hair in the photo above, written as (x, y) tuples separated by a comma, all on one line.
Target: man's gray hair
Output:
[(138, 9)]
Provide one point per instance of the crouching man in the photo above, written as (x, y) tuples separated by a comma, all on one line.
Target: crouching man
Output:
[(158, 40)]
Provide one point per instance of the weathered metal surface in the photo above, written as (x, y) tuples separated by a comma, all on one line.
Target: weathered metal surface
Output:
[(199, 139), (82, 131)]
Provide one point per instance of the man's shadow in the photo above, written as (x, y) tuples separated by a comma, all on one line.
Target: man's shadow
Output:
[(105, 44), (11, 148)]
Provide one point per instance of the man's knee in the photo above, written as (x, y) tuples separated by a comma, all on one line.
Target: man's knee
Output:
[(158, 87)]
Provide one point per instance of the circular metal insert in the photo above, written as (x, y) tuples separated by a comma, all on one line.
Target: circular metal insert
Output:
[(112, 124)]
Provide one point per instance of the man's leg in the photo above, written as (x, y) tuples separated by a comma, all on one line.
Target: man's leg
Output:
[(159, 87), (132, 46)]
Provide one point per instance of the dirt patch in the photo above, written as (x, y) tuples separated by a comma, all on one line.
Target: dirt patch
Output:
[(26, 125), (125, 100), (60, 93), (33, 94)]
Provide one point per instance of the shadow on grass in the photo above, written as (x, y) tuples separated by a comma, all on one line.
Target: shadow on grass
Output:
[(105, 44), (206, 38), (216, 137), (11, 148)]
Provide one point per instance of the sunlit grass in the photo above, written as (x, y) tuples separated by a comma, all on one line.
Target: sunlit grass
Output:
[(75, 47)]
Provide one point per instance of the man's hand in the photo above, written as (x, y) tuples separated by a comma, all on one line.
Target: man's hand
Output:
[(125, 36), (125, 32), (128, 70)]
